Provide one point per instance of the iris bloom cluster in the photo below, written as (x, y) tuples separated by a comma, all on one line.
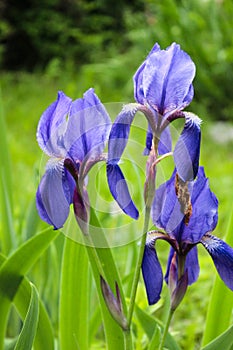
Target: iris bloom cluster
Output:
[(162, 89), (73, 134), (183, 232)]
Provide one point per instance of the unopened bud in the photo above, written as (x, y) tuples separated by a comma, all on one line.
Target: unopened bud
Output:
[(113, 303), (179, 291)]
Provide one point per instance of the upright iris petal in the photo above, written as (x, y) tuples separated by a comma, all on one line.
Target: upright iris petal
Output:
[(71, 131), (183, 236), (162, 89), (166, 79)]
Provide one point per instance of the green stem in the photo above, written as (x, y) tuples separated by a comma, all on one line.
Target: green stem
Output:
[(138, 266), (165, 331), (127, 340)]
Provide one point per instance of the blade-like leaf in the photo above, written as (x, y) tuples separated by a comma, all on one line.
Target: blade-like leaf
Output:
[(153, 328), (224, 341), (5, 188), (74, 311), (28, 332), (217, 322), (44, 339), (15, 267), (102, 263), (113, 332)]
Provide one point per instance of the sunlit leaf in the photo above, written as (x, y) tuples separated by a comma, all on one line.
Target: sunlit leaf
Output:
[(74, 300), (15, 267), (224, 341), (5, 188), (153, 329), (28, 332), (217, 322)]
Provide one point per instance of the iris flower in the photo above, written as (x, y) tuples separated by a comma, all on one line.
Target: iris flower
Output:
[(162, 89), (183, 230), (73, 134)]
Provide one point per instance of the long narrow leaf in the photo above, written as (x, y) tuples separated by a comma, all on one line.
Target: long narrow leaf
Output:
[(224, 341), (152, 328), (28, 332), (15, 267), (5, 188), (217, 322), (113, 332), (73, 324), (44, 339), (102, 263)]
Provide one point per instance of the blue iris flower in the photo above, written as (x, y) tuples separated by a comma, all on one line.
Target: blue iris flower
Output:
[(73, 134), (184, 228), (162, 89)]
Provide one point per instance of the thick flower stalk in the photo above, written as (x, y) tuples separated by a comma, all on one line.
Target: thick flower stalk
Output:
[(73, 134), (162, 89), (185, 215)]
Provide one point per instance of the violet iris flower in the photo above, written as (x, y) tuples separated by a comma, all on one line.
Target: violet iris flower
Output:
[(162, 89), (183, 232), (73, 134)]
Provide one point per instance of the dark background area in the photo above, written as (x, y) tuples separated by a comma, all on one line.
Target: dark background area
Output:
[(114, 37)]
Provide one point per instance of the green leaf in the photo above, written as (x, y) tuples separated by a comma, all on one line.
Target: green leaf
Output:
[(224, 341), (153, 328), (147, 322), (217, 322), (28, 332), (5, 188), (15, 267), (74, 311), (44, 339), (44, 336), (102, 263)]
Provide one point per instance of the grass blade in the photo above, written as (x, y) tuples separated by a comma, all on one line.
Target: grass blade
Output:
[(28, 332), (5, 188), (74, 312), (15, 267), (44, 339), (217, 322), (224, 341)]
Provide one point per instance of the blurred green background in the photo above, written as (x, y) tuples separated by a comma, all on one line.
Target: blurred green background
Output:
[(71, 45)]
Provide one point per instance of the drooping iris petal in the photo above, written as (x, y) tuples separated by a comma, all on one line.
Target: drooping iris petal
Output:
[(119, 190), (152, 274), (119, 134), (165, 210), (166, 80), (192, 265), (187, 149), (222, 255), (88, 127), (52, 125), (170, 257), (138, 78), (204, 216), (54, 195)]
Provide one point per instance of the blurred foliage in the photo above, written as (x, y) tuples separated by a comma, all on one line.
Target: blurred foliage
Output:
[(104, 38)]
